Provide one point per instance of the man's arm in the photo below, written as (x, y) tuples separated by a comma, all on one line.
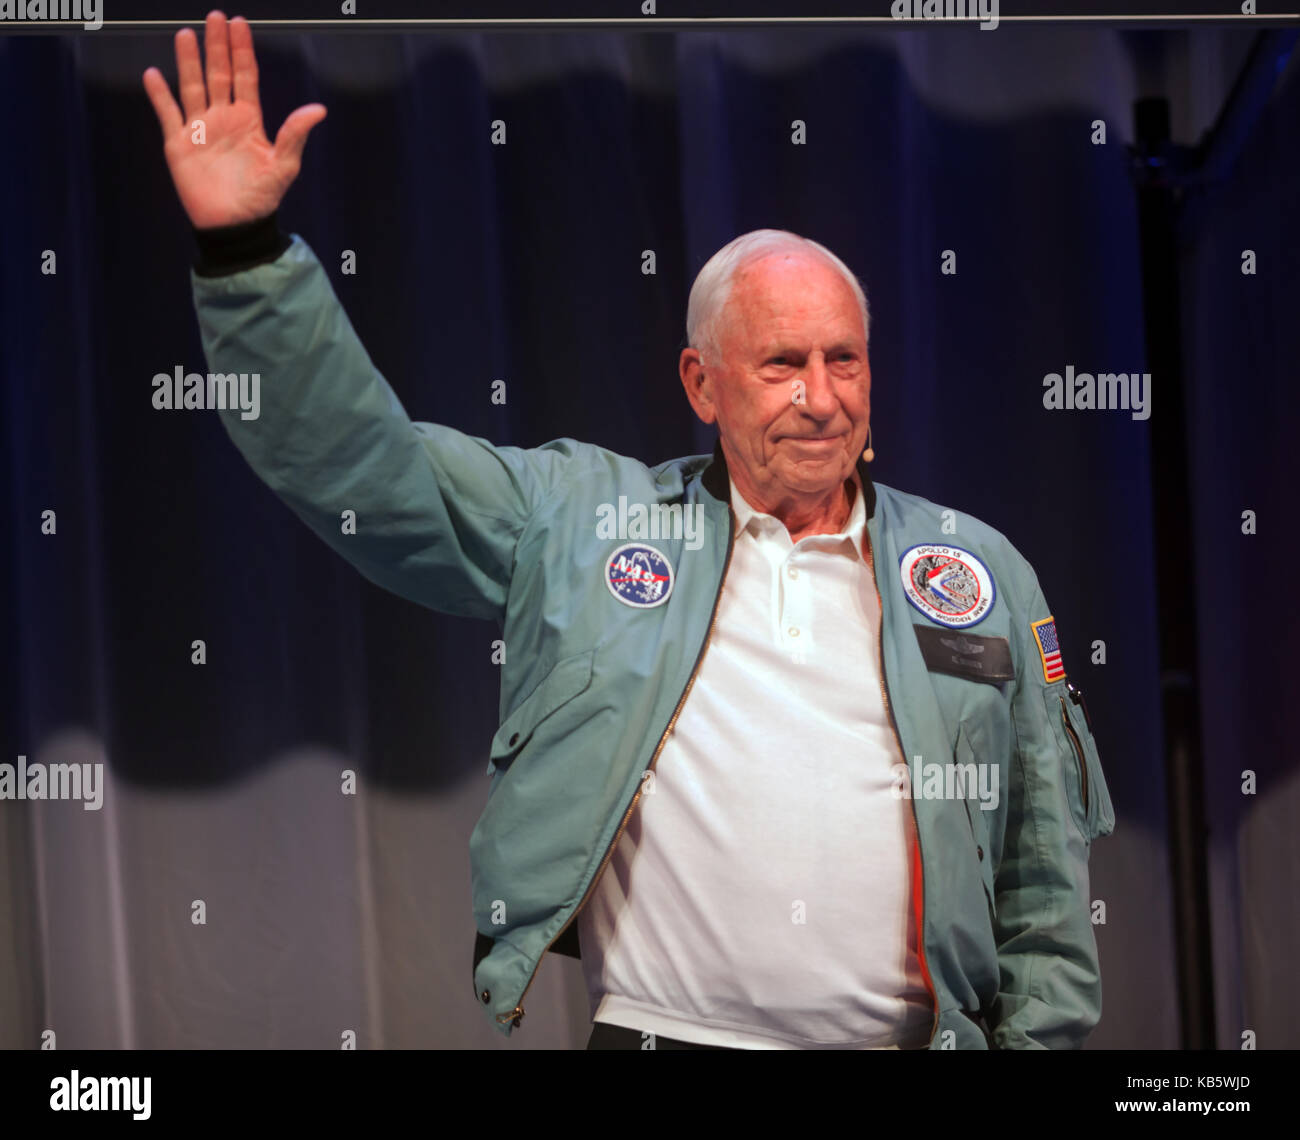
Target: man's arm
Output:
[(436, 513), (1050, 990)]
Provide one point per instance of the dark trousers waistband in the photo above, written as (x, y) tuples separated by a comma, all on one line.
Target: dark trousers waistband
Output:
[(606, 1036)]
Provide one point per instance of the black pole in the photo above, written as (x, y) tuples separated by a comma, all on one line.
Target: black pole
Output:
[(1158, 207)]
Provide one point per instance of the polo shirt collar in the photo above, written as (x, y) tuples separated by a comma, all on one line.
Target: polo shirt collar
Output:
[(716, 479), (748, 518)]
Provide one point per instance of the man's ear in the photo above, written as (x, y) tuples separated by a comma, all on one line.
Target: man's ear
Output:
[(697, 384)]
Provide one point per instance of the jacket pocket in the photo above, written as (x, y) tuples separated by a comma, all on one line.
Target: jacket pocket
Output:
[(565, 681), (981, 849), (1086, 790)]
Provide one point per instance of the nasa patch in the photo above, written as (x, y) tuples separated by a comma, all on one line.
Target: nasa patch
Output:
[(947, 584), (639, 575)]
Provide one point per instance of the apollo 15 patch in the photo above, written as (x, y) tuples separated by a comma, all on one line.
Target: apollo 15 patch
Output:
[(947, 584)]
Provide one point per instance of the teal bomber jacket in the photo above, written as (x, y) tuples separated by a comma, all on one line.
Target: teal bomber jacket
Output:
[(603, 646)]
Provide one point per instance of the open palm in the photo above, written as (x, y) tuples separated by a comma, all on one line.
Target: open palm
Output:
[(225, 169)]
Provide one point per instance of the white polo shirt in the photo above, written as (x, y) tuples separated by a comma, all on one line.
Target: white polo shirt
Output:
[(761, 895)]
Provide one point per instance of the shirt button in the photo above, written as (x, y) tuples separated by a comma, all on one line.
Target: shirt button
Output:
[(486, 995), (980, 852), (793, 631), (793, 572)]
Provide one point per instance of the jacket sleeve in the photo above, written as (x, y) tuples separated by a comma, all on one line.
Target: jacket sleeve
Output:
[(437, 513), (1049, 994)]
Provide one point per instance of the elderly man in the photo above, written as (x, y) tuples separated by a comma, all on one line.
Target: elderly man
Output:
[(787, 757)]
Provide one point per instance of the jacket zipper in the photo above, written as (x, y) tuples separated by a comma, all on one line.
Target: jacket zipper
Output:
[(889, 709), (1078, 754), (517, 1014)]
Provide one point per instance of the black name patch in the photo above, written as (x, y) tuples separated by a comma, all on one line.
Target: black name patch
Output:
[(966, 655)]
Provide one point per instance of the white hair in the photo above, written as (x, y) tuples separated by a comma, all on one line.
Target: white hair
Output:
[(714, 282)]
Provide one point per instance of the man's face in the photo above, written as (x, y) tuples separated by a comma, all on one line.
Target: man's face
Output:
[(791, 394)]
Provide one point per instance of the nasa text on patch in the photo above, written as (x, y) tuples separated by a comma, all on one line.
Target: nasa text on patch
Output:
[(639, 575)]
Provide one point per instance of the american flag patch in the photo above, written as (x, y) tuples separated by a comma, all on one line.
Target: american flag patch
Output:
[(1049, 649)]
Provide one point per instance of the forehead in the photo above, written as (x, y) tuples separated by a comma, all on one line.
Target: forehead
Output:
[(791, 293)]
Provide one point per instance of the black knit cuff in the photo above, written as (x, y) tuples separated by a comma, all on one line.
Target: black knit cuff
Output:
[(229, 249)]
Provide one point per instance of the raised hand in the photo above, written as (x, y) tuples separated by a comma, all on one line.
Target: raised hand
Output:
[(234, 174)]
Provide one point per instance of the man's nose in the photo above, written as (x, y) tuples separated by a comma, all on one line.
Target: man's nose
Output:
[(820, 399)]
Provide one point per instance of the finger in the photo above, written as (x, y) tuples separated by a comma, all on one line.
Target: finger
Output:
[(194, 96), (164, 106), (245, 62), (292, 135), (217, 46)]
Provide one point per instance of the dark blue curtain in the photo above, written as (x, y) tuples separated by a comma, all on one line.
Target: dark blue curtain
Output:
[(1240, 345)]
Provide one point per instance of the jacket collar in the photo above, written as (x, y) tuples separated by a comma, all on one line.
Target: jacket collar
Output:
[(717, 480)]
